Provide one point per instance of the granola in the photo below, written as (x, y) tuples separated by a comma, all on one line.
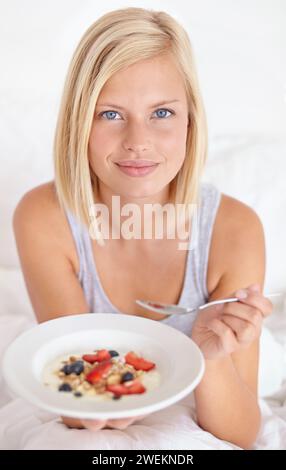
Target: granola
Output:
[(102, 373)]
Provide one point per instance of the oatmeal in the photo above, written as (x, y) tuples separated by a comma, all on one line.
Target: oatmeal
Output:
[(102, 374)]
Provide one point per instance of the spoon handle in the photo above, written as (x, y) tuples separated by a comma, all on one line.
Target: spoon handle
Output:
[(233, 299)]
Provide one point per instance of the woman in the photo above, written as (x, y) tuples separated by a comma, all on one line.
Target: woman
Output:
[(131, 99)]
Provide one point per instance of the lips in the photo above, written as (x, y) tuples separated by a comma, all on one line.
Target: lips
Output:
[(136, 163), (137, 168)]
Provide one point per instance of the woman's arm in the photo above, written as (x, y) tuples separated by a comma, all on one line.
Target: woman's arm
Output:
[(226, 398), (225, 406), (41, 232), (50, 280), (42, 235)]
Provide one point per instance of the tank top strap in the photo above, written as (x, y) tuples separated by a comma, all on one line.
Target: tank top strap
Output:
[(210, 198), (82, 241)]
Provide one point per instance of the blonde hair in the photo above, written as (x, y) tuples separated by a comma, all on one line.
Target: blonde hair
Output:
[(116, 40)]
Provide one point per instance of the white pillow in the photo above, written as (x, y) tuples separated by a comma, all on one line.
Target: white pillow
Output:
[(252, 169), (272, 363)]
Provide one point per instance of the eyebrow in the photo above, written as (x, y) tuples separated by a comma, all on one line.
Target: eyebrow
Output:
[(152, 106)]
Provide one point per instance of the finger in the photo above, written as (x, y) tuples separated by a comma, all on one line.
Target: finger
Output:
[(119, 423), (124, 423), (94, 424), (244, 331), (255, 287), (225, 334), (143, 416), (139, 418), (256, 300), (243, 311)]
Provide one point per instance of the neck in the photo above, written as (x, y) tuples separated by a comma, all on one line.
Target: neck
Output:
[(134, 218)]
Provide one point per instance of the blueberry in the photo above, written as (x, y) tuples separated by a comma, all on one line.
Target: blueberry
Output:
[(127, 376), (65, 387), (76, 367), (77, 394), (66, 369), (116, 397), (113, 353)]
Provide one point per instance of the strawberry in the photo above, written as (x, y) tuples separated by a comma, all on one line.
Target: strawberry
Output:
[(119, 389), (97, 373), (136, 387), (137, 362), (101, 355), (91, 358)]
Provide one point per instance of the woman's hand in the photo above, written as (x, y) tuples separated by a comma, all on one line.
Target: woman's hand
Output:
[(222, 329), (96, 424)]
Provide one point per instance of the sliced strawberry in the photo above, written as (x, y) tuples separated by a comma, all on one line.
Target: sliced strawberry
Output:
[(101, 355), (118, 389), (136, 387), (121, 389), (137, 362), (98, 372), (91, 358)]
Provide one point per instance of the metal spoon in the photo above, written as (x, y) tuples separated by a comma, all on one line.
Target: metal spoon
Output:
[(170, 309)]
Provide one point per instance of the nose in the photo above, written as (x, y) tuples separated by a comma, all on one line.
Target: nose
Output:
[(137, 138)]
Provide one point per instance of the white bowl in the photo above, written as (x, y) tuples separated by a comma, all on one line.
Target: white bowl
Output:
[(178, 360)]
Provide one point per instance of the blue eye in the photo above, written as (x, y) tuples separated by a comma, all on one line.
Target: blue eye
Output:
[(164, 111), (110, 118), (109, 112)]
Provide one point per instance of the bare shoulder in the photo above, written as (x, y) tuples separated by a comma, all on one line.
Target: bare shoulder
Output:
[(36, 201), (39, 210), (45, 246), (237, 241), (233, 214)]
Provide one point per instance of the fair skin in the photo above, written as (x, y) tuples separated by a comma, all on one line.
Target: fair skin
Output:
[(135, 127), (226, 398)]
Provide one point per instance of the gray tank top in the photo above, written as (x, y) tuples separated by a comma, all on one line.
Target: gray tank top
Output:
[(194, 291)]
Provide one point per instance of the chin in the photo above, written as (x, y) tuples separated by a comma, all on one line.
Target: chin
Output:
[(138, 195)]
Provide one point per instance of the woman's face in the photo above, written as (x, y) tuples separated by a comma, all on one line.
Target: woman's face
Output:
[(141, 118)]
